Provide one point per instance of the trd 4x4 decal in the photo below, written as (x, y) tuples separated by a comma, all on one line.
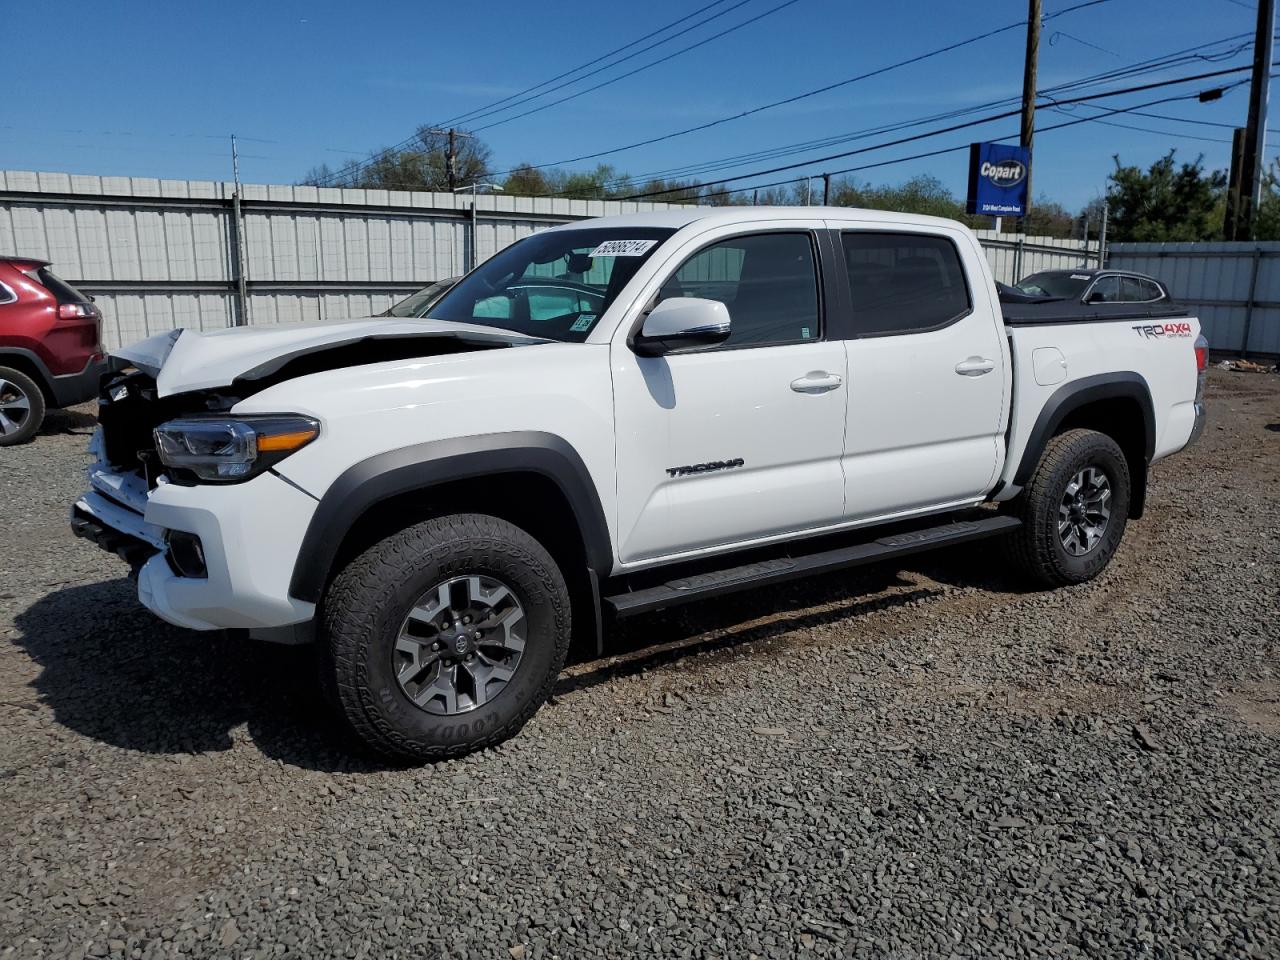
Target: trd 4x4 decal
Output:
[(1156, 330)]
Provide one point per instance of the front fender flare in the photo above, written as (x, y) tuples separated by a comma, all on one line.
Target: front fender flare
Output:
[(425, 465)]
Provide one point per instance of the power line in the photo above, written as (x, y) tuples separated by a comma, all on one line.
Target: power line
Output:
[(486, 111), (809, 93), (354, 168), (971, 123), (604, 56), (1151, 65), (653, 63), (777, 152), (939, 152)]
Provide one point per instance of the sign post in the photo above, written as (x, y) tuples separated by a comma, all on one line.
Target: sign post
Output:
[(998, 175)]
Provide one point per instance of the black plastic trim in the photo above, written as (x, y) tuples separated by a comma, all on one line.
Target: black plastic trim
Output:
[(425, 465), (65, 390), (765, 572), (1123, 384), (73, 388)]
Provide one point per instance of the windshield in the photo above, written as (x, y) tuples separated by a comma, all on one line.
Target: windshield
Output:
[(417, 304), (554, 284), (1060, 286)]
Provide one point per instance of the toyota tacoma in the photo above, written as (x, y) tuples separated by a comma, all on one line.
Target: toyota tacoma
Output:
[(612, 417)]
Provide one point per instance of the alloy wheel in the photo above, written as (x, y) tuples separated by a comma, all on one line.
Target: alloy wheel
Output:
[(1084, 511), (460, 644), (15, 407)]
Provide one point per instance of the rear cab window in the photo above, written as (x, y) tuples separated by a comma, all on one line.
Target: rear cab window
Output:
[(903, 283)]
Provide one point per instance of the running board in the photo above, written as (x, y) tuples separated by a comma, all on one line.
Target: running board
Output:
[(767, 572)]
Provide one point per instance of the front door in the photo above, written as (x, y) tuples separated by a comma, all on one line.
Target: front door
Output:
[(741, 441)]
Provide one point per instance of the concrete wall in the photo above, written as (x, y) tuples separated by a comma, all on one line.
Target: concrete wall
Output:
[(160, 254)]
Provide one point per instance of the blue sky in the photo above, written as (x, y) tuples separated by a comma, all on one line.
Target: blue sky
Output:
[(154, 88)]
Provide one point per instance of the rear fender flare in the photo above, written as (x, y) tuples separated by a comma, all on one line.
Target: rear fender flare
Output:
[(1124, 384)]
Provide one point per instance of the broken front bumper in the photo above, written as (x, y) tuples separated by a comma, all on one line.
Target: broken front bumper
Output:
[(248, 534)]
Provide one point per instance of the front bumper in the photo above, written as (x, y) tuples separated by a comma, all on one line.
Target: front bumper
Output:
[(250, 533)]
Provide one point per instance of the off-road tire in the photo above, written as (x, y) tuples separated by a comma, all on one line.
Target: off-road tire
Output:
[(367, 602), (34, 415), (1036, 550)]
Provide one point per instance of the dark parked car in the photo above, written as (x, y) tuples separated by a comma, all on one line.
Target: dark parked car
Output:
[(1071, 296), (50, 346), (1093, 286)]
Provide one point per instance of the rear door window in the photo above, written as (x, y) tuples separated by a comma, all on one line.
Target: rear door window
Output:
[(904, 282)]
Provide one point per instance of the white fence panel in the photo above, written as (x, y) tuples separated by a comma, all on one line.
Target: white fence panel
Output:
[(1234, 288), (161, 254)]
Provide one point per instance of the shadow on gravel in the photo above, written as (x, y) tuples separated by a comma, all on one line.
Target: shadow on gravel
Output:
[(978, 566), (113, 672), (69, 420)]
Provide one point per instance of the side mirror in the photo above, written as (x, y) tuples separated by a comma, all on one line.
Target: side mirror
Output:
[(1097, 297), (681, 323)]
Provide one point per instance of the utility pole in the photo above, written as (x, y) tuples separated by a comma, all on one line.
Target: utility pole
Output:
[(474, 259), (826, 189), (1028, 131), (237, 234), (1102, 237), (1255, 130), (451, 157)]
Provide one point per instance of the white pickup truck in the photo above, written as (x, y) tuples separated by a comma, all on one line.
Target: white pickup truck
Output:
[(611, 417)]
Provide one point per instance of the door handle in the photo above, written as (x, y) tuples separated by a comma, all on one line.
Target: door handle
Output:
[(816, 381), (975, 366)]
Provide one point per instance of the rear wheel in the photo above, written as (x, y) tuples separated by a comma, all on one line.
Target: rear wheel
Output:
[(21, 407), (1073, 511), (446, 637)]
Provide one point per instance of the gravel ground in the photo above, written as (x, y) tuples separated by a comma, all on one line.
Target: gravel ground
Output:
[(907, 761)]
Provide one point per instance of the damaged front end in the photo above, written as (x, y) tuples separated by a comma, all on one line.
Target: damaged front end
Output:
[(169, 505)]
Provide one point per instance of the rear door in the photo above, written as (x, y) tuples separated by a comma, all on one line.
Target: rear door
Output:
[(928, 371), (740, 441)]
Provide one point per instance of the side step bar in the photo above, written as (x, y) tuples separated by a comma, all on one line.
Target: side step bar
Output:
[(767, 572)]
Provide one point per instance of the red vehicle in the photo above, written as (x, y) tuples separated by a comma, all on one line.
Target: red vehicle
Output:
[(50, 346)]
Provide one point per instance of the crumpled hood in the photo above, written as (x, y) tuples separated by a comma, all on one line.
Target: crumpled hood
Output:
[(184, 360)]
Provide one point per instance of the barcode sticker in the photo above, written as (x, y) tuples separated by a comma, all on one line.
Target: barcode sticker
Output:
[(623, 248)]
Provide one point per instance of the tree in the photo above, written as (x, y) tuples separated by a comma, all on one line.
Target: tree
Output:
[(527, 180), (423, 164), (1048, 218), (1166, 202), (923, 193)]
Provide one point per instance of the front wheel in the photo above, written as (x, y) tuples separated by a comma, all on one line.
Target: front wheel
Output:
[(446, 637), (1073, 511)]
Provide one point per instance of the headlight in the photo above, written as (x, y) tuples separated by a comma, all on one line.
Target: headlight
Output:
[(231, 449)]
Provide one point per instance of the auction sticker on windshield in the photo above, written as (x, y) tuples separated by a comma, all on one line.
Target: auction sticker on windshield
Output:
[(623, 248)]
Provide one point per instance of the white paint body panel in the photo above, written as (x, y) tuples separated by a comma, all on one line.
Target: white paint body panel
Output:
[(903, 433)]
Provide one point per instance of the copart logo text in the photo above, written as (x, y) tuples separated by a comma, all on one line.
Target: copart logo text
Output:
[(1007, 173)]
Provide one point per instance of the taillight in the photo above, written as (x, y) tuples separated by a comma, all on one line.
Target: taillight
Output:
[(76, 311), (1202, 354)]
